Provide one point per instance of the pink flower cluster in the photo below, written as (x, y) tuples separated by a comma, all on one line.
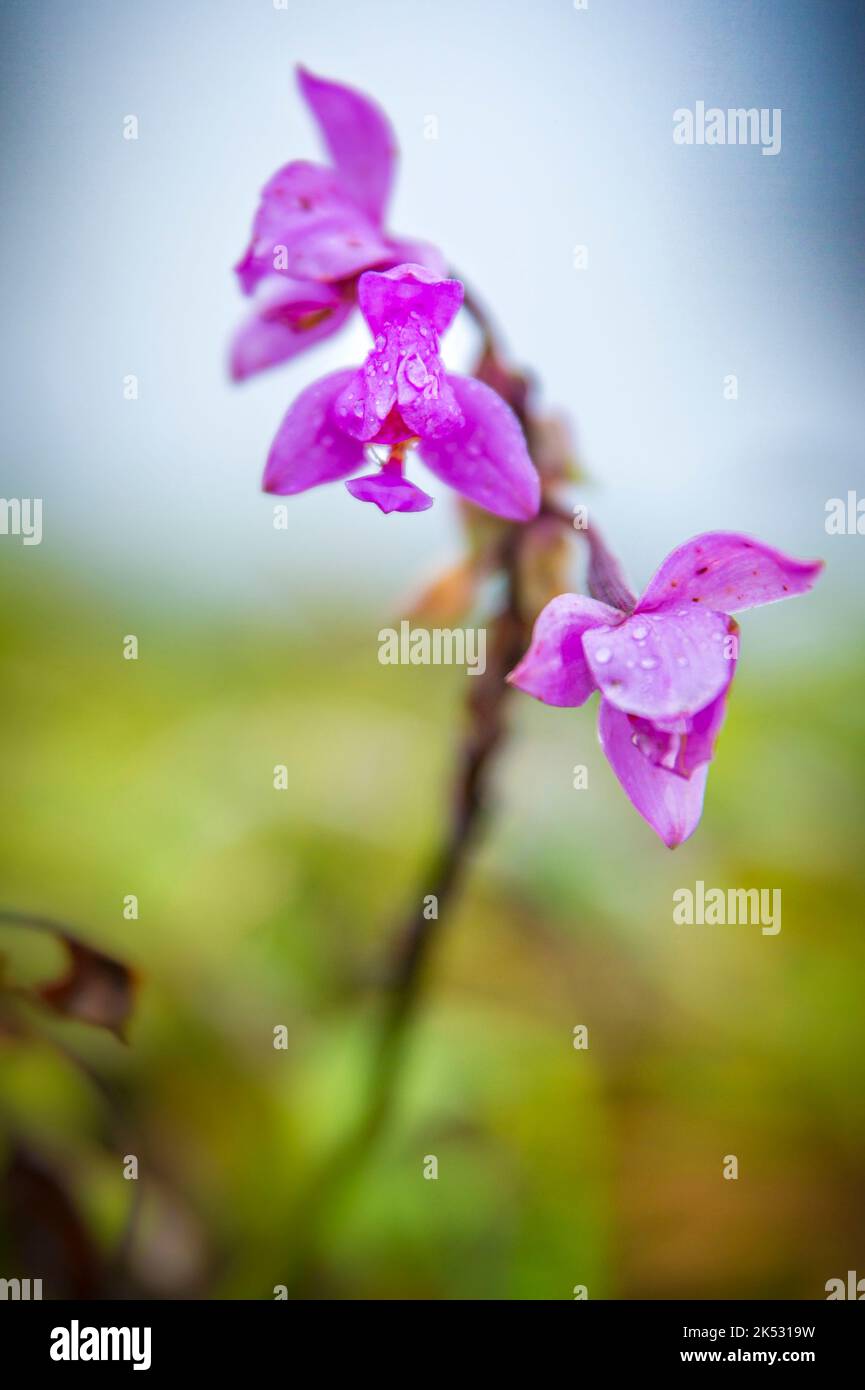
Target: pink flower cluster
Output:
[(318, 247), (663, 664)]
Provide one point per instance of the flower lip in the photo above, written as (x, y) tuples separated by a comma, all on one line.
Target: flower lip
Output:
[(402, 388), (390, 491), (408, 292)]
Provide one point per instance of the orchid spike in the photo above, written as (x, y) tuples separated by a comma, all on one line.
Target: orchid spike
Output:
[(317, 228), (663, 668), (402, 397)]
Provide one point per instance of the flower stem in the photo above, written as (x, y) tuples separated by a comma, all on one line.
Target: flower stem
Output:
[(485, 729), (418, 933)]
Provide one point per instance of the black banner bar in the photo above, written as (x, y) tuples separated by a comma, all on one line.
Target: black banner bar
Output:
[(263, 1337)]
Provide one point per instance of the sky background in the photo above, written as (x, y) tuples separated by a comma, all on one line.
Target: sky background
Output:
[(554, 129)]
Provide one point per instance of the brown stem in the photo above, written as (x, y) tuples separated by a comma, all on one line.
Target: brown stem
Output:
[(486, 726), (481, 315), (485, 731)]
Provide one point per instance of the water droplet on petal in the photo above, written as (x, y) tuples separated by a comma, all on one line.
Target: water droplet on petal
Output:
[(602, 655), (416, 371), (648, 663), (640, 633)]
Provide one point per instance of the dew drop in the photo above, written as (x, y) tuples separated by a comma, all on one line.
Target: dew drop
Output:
[(648, 663), (640, 633), (416, 372), (602, 655)]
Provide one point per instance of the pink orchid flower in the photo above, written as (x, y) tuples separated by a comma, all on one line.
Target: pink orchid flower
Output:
[(401, 397), (317, 228), (663, 667)]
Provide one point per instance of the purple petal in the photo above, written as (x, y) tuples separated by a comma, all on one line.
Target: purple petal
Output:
[(726, 571), (486, 458), (291, 315), (390, 492), (309, 447), (359, 138), (663, 665), (424, 395), (403, 370), (309, 227), (370, 395), (407, 251), (408, 291), (681, 745), (554, 668), (672, 805)]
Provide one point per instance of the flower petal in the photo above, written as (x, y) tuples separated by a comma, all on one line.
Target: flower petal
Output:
[(408, 251), (359, 138), (368, 400), (663, 665), (554, 669), (486, 458), (390, 492), (309, 227), (682, 745), (425, 397), (291, 315), (408, 291), (309, 447), (403, 370), (672, 805), (726, 571)]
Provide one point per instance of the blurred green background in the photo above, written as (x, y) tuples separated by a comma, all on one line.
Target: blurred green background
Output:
[(261, 908)]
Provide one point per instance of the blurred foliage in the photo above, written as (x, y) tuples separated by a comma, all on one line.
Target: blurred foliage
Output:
[(261, 907)]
